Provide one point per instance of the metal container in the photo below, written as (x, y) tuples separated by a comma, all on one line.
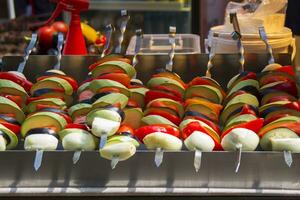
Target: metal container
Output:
[(260, 174)]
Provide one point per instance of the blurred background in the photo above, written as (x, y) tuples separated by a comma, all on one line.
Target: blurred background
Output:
[(153, 16), (189, 16)]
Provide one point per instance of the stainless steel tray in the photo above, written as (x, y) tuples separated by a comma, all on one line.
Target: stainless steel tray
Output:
[(260, 174)]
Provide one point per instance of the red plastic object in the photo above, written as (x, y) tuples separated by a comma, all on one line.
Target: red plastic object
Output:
[(75, 44)]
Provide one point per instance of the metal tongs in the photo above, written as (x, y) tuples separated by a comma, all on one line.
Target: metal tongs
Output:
[(236, 35), (109, 29), (172, 35), (124, 21)]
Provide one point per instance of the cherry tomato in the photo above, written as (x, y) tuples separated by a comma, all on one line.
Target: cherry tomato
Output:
[(60, 27), (46, 34)]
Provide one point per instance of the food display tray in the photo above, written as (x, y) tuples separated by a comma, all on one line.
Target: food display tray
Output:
[(260, 173)]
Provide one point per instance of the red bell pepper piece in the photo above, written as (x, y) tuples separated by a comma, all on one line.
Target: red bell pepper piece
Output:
[(132, 103), (250, 75), (77, 126), (196, 126), (294, 126), (175, 119), (288, 86), (205, 81), (17, 99), (14, 128), (208, 122), (122, 78), (145, 130), (271, 119), (247, 110), (254, 125), (160, 104), (80, 120), (154, 94), (31, 99), (293, 105), (287, 69), (125, 129), (279, 98), (167, 89), (17, 79), (109, 89), (200, 81)]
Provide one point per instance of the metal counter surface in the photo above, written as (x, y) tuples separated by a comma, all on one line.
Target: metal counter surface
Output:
[(261, 173)]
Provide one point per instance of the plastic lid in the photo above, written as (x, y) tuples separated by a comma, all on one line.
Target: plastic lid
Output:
[(158, 44), (218, 31)]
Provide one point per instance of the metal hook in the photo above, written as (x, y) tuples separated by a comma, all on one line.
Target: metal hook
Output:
[(60, 43), (109, 29), (27, 52), (172, 35), (210, 59), (236, 35), (125, 19), (264, 38), (138, 44)]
